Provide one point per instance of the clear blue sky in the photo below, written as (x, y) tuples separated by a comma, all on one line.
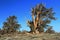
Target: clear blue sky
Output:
[(22, 9)]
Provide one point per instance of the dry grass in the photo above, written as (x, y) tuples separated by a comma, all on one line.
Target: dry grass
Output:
[(42, 36)]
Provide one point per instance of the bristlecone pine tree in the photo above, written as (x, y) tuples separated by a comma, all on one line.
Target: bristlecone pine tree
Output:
[(11, 24), (41, 17)]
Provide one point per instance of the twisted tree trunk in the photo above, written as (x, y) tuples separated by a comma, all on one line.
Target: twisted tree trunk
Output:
[(35, 21)]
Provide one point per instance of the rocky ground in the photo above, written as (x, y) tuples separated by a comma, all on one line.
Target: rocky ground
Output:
[(42, 36)]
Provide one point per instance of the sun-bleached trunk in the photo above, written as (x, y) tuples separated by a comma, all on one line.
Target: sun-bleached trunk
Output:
[(34, 23)]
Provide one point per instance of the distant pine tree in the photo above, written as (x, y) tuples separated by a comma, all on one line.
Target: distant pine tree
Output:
[(49, 30), (11, 24)]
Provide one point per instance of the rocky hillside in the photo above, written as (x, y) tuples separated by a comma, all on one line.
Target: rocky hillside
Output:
[(43, 36)]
